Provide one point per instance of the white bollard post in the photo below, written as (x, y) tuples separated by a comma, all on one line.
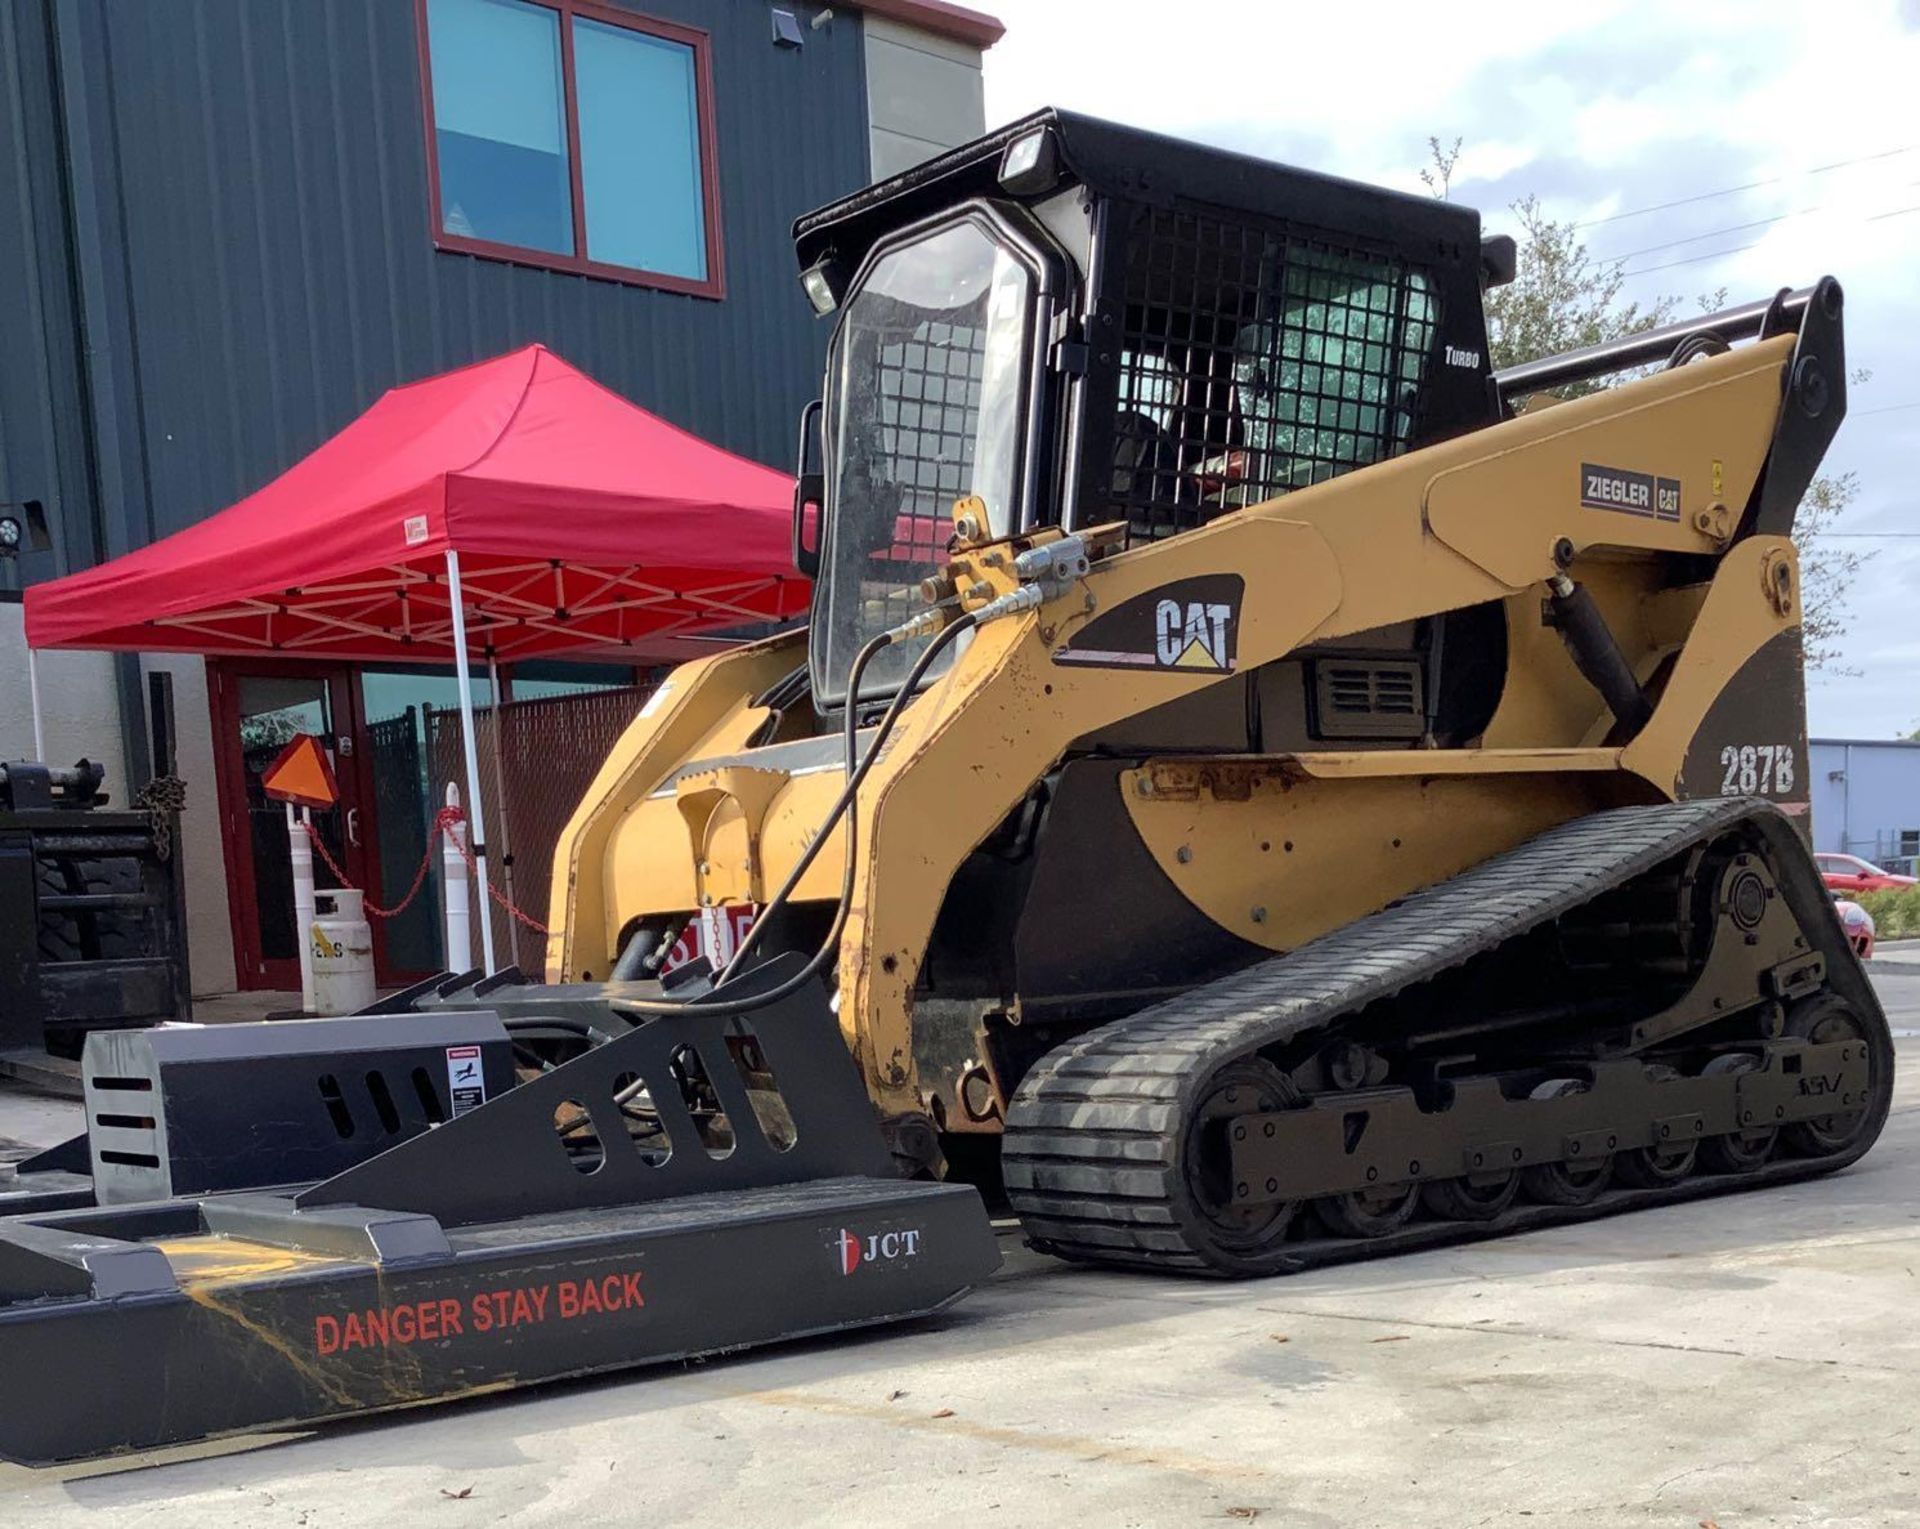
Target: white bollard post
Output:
[(33, 694), (300, 850), (453, 864)]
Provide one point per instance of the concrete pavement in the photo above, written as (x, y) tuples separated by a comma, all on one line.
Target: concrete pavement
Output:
[(1751, 1360), (1898, 958)]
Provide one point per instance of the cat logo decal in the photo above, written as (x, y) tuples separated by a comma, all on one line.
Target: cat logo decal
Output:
[(1191, 626)]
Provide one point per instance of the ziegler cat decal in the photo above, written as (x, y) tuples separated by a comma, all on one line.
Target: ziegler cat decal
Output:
[(1630, 493), (1192, 625)]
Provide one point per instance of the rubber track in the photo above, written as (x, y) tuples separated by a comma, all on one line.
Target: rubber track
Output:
[(1091, 1147)]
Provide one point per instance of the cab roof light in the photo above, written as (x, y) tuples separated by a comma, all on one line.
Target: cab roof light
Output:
[(826, 282), (1031, 165)]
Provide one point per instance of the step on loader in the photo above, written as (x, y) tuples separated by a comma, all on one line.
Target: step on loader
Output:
[(1259, 788)]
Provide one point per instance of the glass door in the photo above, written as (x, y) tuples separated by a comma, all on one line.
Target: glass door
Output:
[(260, 710), (407, 763)]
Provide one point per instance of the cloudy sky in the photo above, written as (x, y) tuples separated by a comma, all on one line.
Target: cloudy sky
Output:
[(1750, 146)]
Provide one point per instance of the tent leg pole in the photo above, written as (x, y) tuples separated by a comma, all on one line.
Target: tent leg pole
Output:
[(33, 691), (475, 815), (500, 827)]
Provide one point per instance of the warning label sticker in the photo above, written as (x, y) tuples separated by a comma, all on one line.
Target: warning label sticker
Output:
[(438, 1318), (466, 1079)]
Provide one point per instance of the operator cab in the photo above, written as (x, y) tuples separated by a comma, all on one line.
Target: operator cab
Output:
[(1080, 323)]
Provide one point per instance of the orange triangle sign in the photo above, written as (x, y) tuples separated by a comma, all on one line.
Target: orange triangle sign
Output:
[(301, 775)]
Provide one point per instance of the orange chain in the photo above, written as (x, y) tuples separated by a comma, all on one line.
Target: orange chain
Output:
[(492, 891), (444, 821)]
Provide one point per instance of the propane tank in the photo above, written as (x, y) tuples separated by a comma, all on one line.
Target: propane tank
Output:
[(342, 952)]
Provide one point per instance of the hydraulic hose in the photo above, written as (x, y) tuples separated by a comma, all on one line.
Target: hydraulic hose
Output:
[(849, 804), (570, 1026), (716, 1001), (1596, 652)]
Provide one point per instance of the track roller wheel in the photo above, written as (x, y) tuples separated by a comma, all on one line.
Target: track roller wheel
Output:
[(1566, 1182), (1658, 1166), (1476, 1197), (1737, 1151), (1822, 1018), (1239, 1238), (1370, 1212)]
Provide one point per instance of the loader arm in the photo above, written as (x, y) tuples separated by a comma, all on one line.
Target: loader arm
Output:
[(704, 707)]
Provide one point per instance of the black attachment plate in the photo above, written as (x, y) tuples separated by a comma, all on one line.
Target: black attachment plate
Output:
[(188, 1110), (509, 1159)]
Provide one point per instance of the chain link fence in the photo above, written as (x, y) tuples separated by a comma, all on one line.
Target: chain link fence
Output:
[(548, 752)]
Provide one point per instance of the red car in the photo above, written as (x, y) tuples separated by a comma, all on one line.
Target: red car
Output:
[(1849, 873)]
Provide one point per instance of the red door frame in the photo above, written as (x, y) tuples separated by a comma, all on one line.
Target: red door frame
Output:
[(251, 969)]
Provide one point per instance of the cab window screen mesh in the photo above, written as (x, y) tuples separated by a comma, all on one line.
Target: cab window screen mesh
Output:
[(1255, 363), (929, 383), (925, 409)]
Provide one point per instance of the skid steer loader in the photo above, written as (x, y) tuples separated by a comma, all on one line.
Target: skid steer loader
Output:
[(1350, 798), (1258, 788)]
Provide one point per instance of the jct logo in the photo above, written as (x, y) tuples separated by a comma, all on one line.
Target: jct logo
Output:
[(875, 1248), (1192, 634)]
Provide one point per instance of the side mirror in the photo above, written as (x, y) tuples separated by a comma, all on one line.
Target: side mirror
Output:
[(809, 494)]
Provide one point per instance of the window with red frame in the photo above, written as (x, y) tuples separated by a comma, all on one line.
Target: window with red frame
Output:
[(574, 135)]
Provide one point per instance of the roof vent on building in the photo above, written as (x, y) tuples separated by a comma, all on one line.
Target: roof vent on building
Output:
[(786, 29)]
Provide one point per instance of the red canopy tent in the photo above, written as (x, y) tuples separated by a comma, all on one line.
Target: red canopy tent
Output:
[(516, 504), (577, 520)]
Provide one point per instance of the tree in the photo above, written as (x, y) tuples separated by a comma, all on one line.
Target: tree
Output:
[(1562, 298), (267, 731), (1826, 571)]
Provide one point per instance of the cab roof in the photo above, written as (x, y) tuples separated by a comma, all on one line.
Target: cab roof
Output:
[(1151, 169)]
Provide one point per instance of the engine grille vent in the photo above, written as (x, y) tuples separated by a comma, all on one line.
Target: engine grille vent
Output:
[(1368, 698)]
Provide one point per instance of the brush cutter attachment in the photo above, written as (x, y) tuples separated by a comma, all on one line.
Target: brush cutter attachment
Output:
[(689, 1187)]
